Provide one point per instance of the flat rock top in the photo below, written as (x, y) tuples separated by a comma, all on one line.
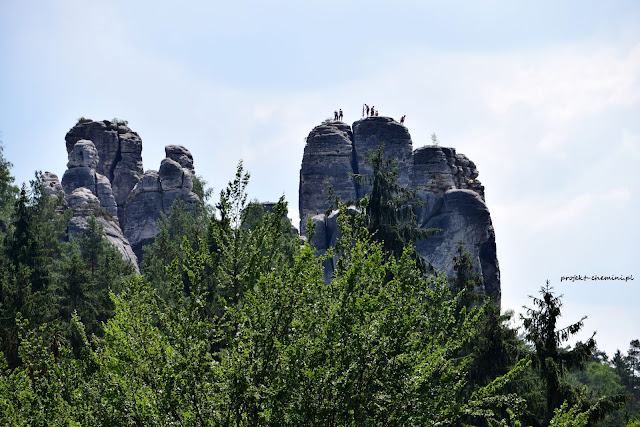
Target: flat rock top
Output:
[(381, 127), (88, 129), (330, 128)]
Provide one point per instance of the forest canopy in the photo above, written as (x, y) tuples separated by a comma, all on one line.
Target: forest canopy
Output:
[(232, 323)]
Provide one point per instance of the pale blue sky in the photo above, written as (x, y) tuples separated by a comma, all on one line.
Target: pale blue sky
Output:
[(543, 96)]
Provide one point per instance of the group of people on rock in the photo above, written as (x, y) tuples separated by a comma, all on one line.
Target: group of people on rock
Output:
[(369, 111), (366, 112)]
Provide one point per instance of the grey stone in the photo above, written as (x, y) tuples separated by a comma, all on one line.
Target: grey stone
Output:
[(463, 216), (372, 132), (84, 153), (153, 196), (171, 174), (105, 195), (141, 216), (82, 176), (51, 184), (444, 181), (327, 163), (81, 198), (169, 196), (150, 182), (181, 155), (119, 150)]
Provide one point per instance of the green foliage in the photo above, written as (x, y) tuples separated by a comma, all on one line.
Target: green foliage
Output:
[(232, 323), (166, 247), (8, 191), (82, 120), (553, 362), (434, 139), (119, 122), (390, 207)]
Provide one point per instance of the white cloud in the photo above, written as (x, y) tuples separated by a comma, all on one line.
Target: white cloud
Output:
[(535, 214), (568, 83)]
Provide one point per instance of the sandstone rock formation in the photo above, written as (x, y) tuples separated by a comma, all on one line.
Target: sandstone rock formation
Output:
[(51, 184), (446, 183), (88, 193), (327, 162), (105, 175), (154, 195), (119, 151), (372, 132)]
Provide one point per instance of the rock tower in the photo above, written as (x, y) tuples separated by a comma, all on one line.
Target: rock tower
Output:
[(105, 178), (445, 181)]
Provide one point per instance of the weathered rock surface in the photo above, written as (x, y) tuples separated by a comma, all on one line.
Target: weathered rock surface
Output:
[(85, 204), (463, 216), (446, 182), (51, 184), (105, 178), (181, 155), (155, 194), (372, 132), (88, 193), (327, 162), (119, 151), (326, 235), (83, 160)]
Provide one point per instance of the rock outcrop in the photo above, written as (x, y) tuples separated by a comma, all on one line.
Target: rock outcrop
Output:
[(119, 152), (155, 194), (371, 133), (51, 184), (327, 162), (105, 176), (88, 193), (446, 183)]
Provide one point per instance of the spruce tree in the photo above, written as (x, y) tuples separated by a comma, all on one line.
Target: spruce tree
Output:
[(390, 208)]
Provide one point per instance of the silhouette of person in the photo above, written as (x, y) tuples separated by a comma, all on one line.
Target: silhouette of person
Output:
[(335, 115), (377, 113), (373, 110), (340, 116), (367, 107), (402, 119)]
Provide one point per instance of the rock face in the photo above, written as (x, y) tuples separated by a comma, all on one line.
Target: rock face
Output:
[(154, 195), (83, 160), (446, 183), (51, 184), (119, 151), (372, 132), (105, 176), (88, 193), (327, 162)]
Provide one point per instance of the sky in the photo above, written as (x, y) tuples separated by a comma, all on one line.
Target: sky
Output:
[(543, 96)]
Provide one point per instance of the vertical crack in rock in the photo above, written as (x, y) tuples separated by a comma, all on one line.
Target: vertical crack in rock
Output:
[(355, 170), (117, 158)]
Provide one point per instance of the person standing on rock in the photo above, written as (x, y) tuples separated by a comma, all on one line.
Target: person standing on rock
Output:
[(402, 119), (373, 109), (367, 107), (340, 116), (335, 116)]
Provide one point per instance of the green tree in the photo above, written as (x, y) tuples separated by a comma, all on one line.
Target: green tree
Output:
[(554, 361), (8, 191), (29, 257), (390, 208)]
